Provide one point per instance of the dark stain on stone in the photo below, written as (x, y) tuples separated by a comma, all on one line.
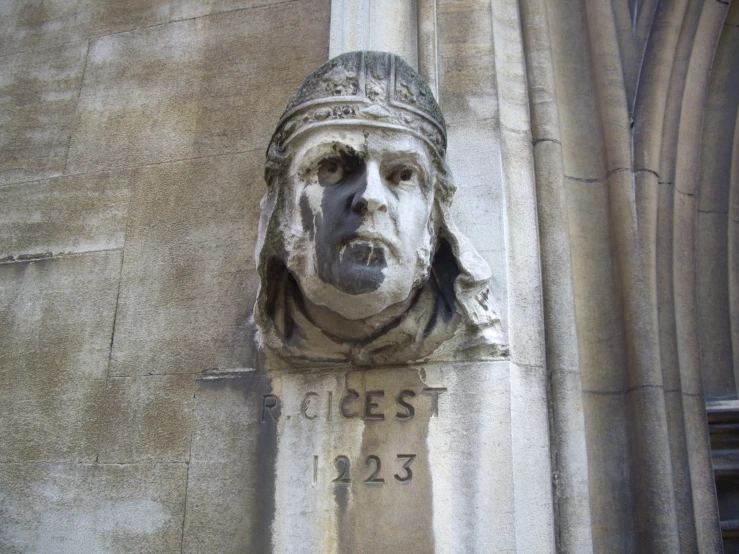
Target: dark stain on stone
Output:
[(33, 15), (259, 465), (344, 260), (306, 216), (264, 515), (26, 91), (376, 516), (341, 496)]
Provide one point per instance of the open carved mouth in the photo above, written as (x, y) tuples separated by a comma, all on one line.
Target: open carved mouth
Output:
[(362, 251), (369, 237)]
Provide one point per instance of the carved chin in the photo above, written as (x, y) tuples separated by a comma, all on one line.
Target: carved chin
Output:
[(360, 269)]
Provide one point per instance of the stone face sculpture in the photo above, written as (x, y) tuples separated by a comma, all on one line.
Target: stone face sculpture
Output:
[(358, 257)]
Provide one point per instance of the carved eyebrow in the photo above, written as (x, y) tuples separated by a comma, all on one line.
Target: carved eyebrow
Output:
[(329, 148), (415, 159), (411, 153)]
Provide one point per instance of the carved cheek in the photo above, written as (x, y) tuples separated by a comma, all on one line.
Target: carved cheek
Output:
[(416, 209)]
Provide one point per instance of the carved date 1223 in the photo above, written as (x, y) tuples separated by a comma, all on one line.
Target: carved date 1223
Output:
[(374, 465)]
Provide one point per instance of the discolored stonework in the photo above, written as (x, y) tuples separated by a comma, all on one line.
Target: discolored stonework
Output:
[(359, 258), (596, 147)]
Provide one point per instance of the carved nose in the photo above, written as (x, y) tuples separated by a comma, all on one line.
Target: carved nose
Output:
[(371, 198)]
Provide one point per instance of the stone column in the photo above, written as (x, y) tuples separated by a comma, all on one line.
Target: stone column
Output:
[(383, 25)]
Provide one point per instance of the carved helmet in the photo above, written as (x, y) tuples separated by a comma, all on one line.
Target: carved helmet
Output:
[(374, 89)]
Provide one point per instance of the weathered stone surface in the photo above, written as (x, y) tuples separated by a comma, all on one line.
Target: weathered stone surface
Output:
[(466, 68), (569, 420), (732, 18), (718, 125), (188, 286), (460, 449), (186, 9), (599, 331), (610, 471), (359, 258), (582, 142), (180, 90), (478, 202), (712, 288), (38, 96), (524, 293), (230, 494), (72, 508), (534, 504), (681, 468), (207, 87), (380, 25), (510, 70), (147, 419), (68, 214), (56, 322), (37, 25), (648, 451)]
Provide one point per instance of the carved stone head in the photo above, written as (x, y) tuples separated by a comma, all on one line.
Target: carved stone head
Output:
[(359, 260)]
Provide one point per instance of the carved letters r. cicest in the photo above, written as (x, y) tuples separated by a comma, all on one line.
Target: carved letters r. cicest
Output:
[(374, 405)]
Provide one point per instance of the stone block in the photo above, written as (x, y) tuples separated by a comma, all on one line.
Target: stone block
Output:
[(38, 96), (652, 472), (681, 468), (73, 508), (222, 508), (703, 485), (665, 287), (718, 125), (56, 322), (606, 425), (733, 269), (583, 150), (568, 441), (556, 257), (532, 460), (187, 9), (510, 68), (147, 419), (194, 88), (523, 262), (712, 293), (471, 434), (466, 66), (540, 73), (69, 214), (685, 301), (230, 496), (732, 18), (600, 335), (39, 25), (478, 203), (189, 280), (325, 465), (344, 441)]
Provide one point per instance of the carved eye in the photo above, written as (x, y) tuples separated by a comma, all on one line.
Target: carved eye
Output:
[(404, 174), (330, 172)]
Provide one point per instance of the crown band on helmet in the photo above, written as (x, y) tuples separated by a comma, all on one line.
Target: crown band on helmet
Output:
[(372, 89)]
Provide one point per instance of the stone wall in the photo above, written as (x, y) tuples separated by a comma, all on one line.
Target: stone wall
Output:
[(131, 151)]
